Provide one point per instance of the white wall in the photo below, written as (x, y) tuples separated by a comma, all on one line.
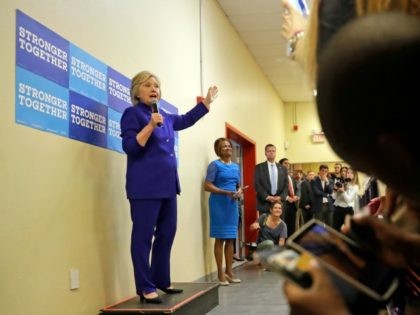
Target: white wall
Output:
[(63, 201), (301, 148)]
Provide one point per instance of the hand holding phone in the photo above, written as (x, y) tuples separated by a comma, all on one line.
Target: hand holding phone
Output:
[(239, 192), (243, 188), (288, 263), (323, 297), (353, 269)]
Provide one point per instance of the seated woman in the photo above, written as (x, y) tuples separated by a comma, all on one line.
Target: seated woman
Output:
[(272, 229)]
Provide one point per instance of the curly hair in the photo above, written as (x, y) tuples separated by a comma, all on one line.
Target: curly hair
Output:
[(217, 148)]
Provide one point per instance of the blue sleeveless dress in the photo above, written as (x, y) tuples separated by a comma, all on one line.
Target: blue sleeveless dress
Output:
[(224, 213)]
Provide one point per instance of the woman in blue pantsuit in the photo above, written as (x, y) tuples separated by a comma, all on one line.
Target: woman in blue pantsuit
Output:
[(152, 182)]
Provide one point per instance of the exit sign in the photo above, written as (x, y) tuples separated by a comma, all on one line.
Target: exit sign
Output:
[(318, 138)]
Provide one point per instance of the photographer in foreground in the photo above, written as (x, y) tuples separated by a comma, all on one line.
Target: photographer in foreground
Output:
[(367, 69)]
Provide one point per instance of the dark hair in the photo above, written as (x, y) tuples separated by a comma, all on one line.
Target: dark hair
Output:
[(274, 203), (323, 167), (217, 144), (282, 160), (269, 145)]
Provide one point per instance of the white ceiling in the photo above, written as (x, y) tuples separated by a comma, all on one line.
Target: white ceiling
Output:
[(258, 23)]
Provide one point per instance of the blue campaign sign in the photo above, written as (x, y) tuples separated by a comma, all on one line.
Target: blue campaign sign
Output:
[(168, 107), (88, 75), (64, 90), (40, 50), (114, 131), (40, 103), (88, 120), (118, 90)]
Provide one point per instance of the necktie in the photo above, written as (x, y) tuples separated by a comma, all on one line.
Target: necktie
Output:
[(273, 179), (291, 190)]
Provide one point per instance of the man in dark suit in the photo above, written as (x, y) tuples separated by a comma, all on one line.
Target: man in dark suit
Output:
[(322, 189), (291, 201), (307, 197), (267, 193)]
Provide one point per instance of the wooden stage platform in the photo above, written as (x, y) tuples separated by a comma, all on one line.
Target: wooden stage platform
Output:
[(197, 299)]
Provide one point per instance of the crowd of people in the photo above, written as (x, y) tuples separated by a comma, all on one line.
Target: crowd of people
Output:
[(327, 196)]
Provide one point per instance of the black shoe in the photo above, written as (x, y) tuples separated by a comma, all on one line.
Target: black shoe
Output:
[(155, 300), (171, 290)]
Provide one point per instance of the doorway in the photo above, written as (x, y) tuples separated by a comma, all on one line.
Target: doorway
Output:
[(248, 159)]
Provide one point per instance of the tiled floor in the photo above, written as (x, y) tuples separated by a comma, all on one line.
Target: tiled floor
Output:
[(260, 292)]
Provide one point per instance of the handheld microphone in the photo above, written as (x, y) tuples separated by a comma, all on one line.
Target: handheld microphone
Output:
[(156, 110)]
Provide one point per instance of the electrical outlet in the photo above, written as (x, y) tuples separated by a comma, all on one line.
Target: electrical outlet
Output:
[(74, 279)]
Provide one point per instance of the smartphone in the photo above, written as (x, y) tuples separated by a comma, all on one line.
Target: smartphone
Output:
[(352, 267), (288, 263)]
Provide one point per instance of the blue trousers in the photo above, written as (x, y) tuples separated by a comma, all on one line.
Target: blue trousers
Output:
[(153, 220)]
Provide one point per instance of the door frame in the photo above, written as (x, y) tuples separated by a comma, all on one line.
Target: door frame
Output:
[(249, 162)]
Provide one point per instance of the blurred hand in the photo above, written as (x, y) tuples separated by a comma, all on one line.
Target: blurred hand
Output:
[(273, 199), (322, 298), (395, 246), (156, 118), (293, 199), (238, 194), (292, 20), (232, 194), (254, 226), (212, 94)]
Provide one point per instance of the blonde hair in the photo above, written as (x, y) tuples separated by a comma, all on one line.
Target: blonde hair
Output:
[(137, 80), (355, 180)]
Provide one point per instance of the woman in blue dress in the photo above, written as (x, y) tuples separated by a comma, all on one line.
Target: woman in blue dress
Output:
[(222, 181)]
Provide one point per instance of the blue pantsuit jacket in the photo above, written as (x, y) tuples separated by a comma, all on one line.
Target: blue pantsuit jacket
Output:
[(152, 185)]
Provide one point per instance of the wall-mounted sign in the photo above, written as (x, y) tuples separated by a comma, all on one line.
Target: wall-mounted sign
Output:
[(66, 91), (318, 137)]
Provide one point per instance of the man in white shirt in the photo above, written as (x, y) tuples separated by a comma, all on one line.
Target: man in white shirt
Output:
[(270, 181)]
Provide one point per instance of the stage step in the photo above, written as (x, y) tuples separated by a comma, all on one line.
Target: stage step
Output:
[(197, 299)]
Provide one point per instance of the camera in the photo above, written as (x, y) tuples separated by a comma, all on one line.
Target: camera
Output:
[(363, 280), (340, 182)]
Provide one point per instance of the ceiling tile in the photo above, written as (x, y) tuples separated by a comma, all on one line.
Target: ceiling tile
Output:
[(258, 23)]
